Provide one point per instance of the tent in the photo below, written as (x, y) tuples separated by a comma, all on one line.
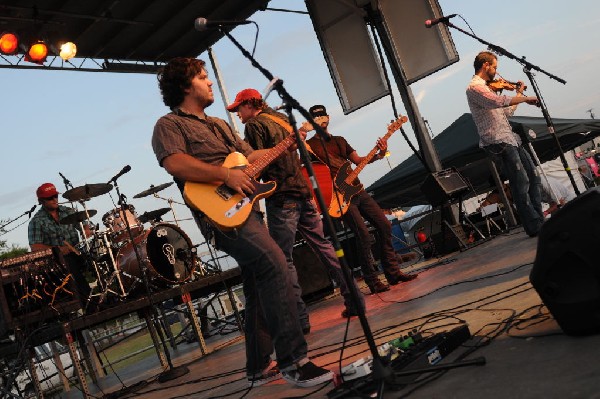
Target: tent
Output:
[(458, 146)]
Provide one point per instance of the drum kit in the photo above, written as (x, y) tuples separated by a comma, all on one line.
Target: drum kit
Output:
[(126, 252)]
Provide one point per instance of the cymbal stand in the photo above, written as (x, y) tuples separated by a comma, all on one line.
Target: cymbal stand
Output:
[(171, 201), (172, 372)]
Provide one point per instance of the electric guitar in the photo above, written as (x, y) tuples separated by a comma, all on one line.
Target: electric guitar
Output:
[(225, 207), (344, 189)]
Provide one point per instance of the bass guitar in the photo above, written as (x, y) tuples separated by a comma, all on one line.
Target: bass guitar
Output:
[(222, 205), (344, 188)]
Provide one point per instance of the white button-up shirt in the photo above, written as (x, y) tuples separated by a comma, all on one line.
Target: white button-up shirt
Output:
[(490, 112)]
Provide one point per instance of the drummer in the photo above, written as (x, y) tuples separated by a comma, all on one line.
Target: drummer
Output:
[(45, 231)]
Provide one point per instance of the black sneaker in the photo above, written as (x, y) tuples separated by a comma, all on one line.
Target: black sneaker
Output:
[(308, 375), (269, 373)]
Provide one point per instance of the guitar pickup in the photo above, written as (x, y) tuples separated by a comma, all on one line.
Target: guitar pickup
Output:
[(225, 192)]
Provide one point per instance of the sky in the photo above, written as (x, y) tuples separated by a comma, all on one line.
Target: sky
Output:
[(88, 125)]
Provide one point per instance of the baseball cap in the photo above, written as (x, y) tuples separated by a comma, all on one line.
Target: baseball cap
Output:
[(46, 190), (317, 110), (244, 95)]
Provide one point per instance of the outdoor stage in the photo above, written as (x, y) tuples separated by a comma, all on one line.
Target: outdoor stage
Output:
[(487, 286)]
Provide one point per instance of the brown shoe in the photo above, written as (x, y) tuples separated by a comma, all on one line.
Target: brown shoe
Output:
[(400, 277), (378, 286)]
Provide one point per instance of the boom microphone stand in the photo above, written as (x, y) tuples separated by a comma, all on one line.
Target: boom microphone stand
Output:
[(172, 372), (527, 68), (381, 371)]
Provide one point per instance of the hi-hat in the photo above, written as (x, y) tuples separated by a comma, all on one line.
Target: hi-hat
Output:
[(77, 217), (152, 190), (153, 215), (88, 191)]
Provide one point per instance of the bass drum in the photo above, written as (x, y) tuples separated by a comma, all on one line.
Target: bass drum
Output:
[(167, 253)]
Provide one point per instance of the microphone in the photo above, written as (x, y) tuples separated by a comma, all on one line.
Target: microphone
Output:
[(431, 22), (126, 169), (66, 181), (202, 24), (29, 212)]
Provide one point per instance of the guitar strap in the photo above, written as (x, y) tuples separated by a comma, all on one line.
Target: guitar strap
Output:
[(290, 130)]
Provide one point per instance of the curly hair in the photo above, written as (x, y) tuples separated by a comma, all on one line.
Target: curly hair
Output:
[(257, 103), (482, 58), (176, 77)]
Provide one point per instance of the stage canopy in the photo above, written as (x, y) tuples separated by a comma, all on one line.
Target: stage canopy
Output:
[(458, 146), (117, 35)]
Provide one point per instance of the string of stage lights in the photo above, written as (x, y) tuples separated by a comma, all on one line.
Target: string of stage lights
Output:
[(36, 50)]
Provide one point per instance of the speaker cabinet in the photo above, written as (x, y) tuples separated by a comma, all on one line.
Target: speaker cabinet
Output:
[(443, 186), (313, 277), (566, 273)]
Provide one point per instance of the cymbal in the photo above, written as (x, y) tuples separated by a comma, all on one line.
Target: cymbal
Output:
[(152, 215), (86, 192), (152, 190), (77, 217)]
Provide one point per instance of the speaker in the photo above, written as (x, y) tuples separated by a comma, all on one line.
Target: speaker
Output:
[(313, 276), (566, 274), (443, 186)]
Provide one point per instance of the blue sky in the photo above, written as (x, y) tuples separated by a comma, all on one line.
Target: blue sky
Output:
[(89, 125)]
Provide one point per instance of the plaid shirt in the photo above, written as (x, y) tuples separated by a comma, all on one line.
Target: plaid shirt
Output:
[(43, 229), (490, 112)]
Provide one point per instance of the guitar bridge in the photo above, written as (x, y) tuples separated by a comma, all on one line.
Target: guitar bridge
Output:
[(225, 192)]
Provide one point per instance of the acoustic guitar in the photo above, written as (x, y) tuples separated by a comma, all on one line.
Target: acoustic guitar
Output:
[(344, 189), (224, 206)]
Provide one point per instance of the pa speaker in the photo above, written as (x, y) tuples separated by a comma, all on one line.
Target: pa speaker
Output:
[(566, 273), (443, 186)]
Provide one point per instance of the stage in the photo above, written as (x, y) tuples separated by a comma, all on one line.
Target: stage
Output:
[(486, 286)]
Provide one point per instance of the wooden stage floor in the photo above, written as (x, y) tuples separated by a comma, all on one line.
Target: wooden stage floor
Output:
[(487, 287)]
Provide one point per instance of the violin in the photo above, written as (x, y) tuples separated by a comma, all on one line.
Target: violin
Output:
[(501, 84)]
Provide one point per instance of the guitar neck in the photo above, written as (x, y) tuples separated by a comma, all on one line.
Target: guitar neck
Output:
[(352, 176), (256, 167)]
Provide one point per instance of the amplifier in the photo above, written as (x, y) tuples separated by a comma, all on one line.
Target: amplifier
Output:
[(35, 287), (443, 186)]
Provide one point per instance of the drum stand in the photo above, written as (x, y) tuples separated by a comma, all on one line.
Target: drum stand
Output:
[(151, 317)]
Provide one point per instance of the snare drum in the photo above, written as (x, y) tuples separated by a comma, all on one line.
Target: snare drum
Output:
[(167, 253), (116, 221)]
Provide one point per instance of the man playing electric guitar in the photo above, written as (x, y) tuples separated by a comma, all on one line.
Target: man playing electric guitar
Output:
[(335, 152)]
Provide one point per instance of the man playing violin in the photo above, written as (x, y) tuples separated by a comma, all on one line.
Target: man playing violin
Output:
[(490, 113)]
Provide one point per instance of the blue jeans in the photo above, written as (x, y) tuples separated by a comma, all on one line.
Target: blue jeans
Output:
[(301, 215), (525, 183), (364, 206), (271, 318)]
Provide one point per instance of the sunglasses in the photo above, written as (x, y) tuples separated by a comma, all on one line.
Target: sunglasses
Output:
[(50, 198)]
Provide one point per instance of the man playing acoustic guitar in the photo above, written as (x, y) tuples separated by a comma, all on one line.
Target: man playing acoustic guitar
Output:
[(336, 152), (291, 208)]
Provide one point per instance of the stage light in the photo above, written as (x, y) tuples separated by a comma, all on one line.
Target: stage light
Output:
[(9, 43), (68, 50), (37, 53)]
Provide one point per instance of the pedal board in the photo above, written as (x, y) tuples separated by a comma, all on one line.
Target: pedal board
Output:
[(414, 352)]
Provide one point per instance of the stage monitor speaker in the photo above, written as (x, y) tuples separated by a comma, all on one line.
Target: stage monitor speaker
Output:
[(566, 273), (443, 186), (313, 277)]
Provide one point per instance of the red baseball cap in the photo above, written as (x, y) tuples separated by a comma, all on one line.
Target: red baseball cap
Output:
[(244, 95), (46, 190)]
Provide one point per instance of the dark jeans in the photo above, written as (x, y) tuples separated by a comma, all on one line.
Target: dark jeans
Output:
[(364, 206), (525, 183), (301, 215), (271, 316)]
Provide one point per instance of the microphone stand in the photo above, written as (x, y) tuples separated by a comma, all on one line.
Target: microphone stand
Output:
[(172, 372), (381, 372), (527, 68), (29, 212)]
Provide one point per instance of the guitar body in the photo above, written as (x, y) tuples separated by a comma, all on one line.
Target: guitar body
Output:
[(323, 177), (343, 192), (225, 208)]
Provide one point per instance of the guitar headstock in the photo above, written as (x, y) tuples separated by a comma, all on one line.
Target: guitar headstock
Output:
[(397, 124)]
